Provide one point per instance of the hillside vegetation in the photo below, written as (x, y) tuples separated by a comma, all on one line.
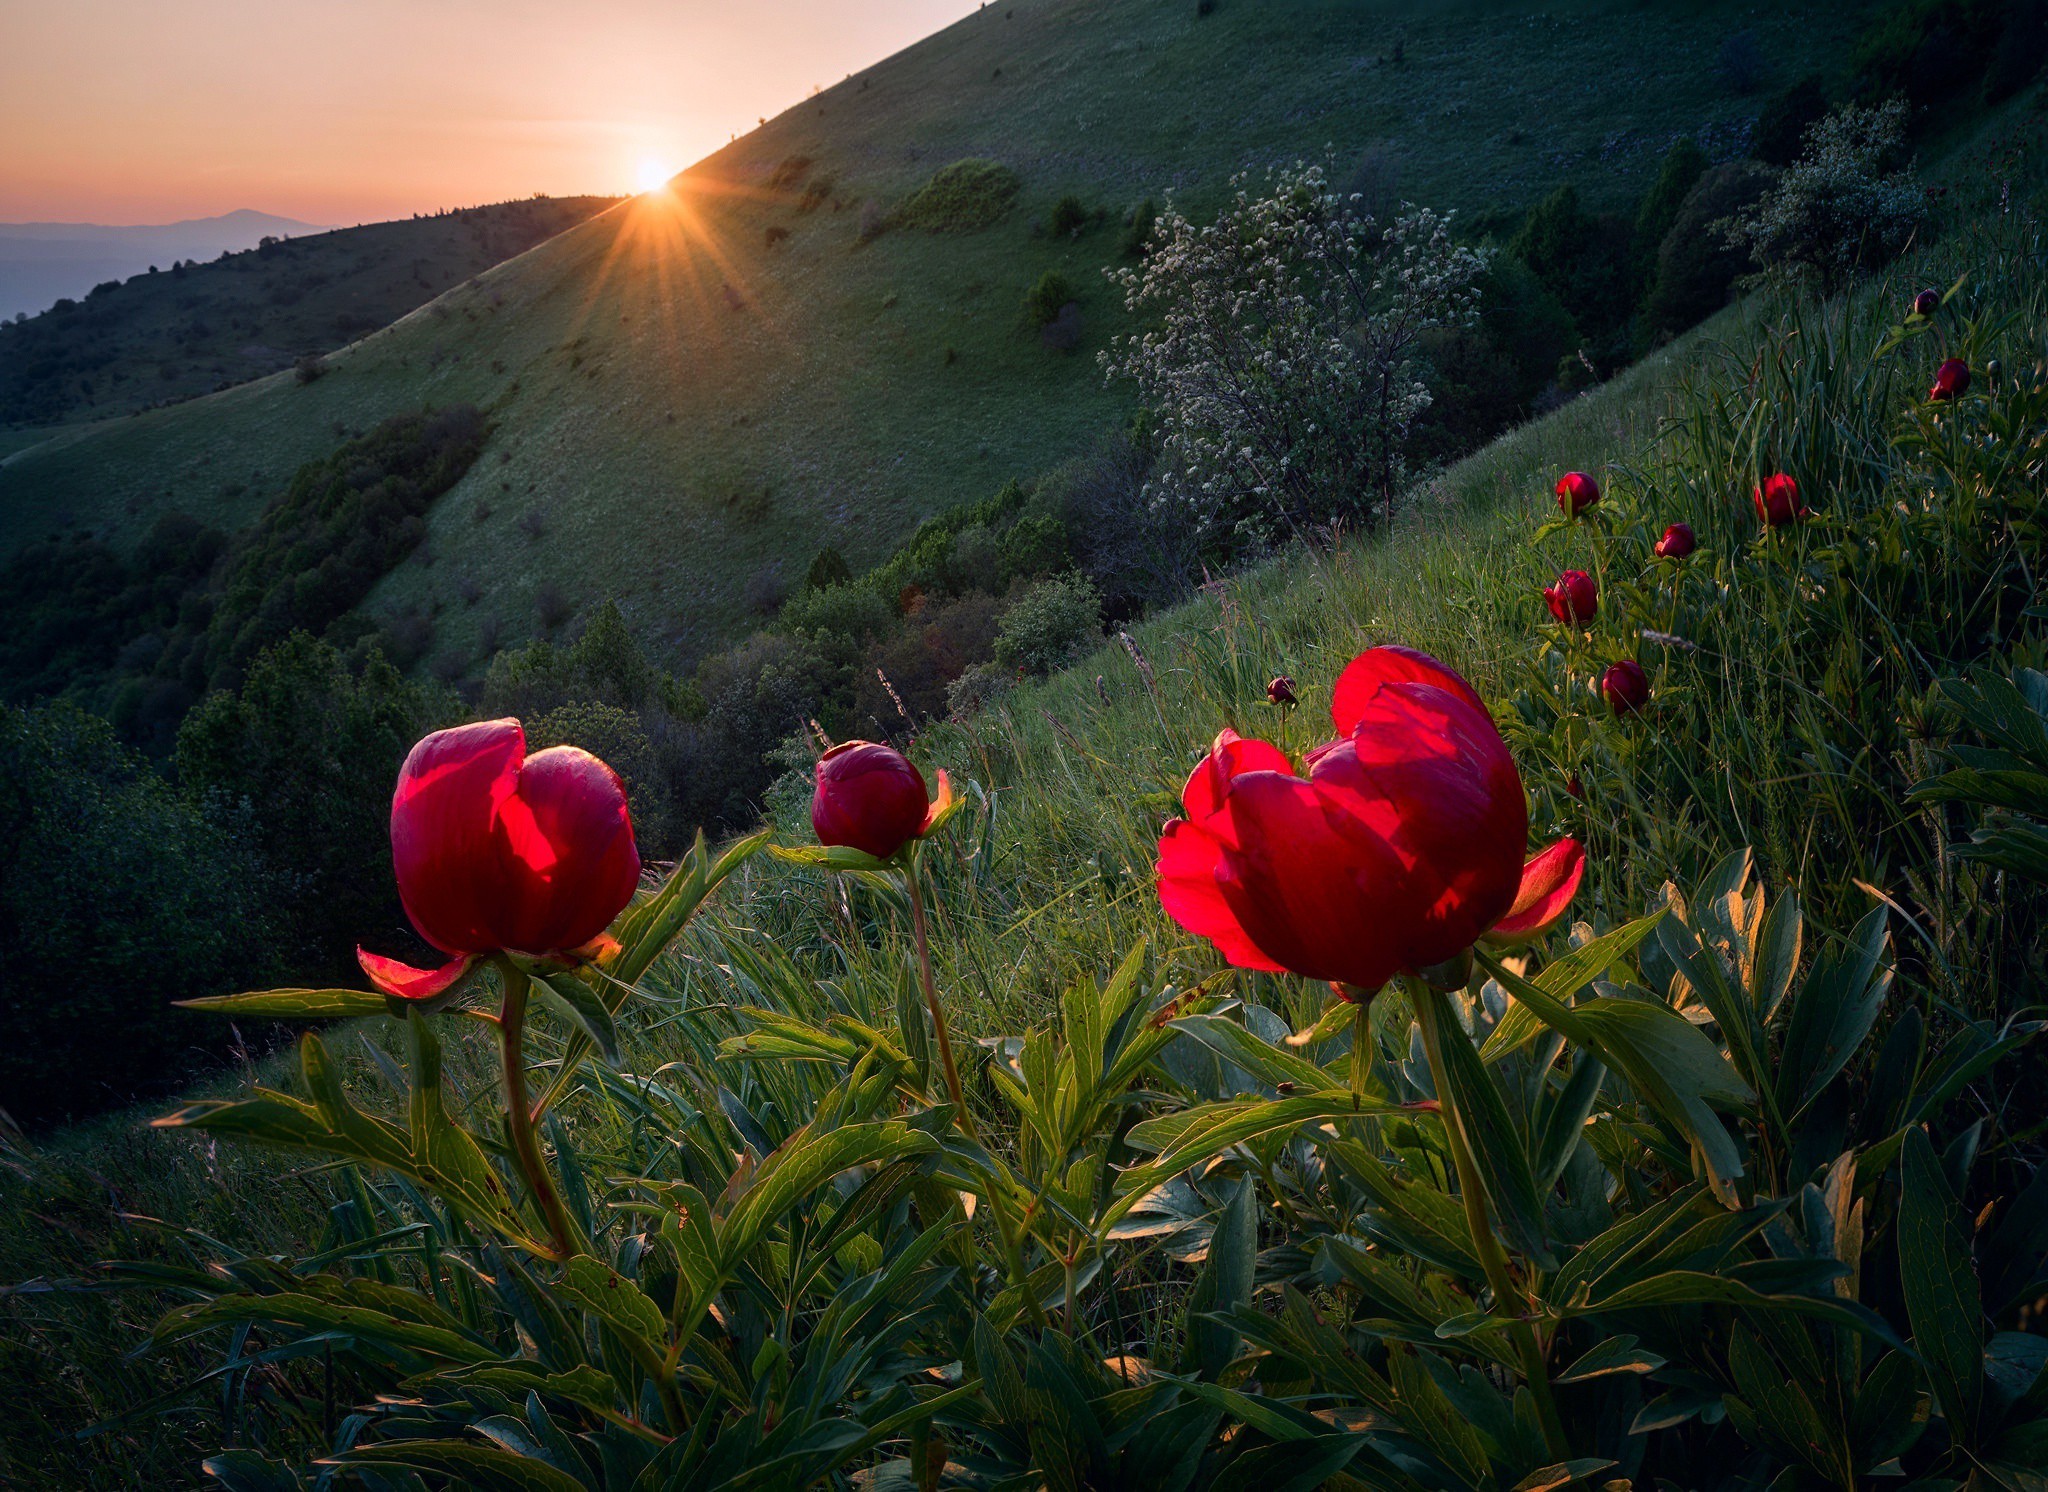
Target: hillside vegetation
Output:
[(187, 328), (698, 391)]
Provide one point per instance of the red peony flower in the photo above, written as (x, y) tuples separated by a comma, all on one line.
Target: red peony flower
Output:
[(1677, 543), (1573, 786), (1549, 882), (1281, 691), (1625, 687), (1951, 380), (1926, 303), (1576, 492), (870, 798), (1777, 501), (499, 851), (1399, 849), (1574, 599)]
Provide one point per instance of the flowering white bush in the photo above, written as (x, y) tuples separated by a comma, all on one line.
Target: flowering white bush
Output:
[(1837, 208), (1284, 364)]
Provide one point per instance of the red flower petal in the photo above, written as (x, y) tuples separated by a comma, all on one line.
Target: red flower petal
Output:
[(568, 861), (1189, 860), (1549, 882), (407, 983), (442, 845), (1231, 756), (1374, 667)]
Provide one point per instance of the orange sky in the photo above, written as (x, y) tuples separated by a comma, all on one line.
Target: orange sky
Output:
[(345, 111)]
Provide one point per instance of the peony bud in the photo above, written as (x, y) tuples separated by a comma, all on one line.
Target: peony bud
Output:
[(1576, 492), (1777, 501), (1281, 691), (1926, 303), (1951, 380), (1677, 543), (1574, 599), (1625, 687), (869, 797)]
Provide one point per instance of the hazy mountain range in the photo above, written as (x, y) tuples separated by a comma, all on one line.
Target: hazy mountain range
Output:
[(42, 262)]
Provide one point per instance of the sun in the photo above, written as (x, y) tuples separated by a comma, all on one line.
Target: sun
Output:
[(652, 174)]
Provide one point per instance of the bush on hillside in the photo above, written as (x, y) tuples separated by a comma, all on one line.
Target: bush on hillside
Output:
[(1679, 172), (1050, 625), (1847, 203), (307, 750), (116, 898), (1583, 257), (1069, 217), (1138, 229), (1285, 367), (827, 568), (961, 198), (1044, 301), (1696, 267), (619, 739)]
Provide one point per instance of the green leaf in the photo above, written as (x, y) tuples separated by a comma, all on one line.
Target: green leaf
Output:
[(490, 1468), (250, 1471), (1563, 1474), (1940, 1287), (294, 1004), (618, 1302), (1497, 1147), (1297, 1466), (1224, 1283), (311, 1313), (1618, 1354), (648, 929), (1199, 1133), (1270, 1064), (1564, 978), (1832, 1013), (802, 1163), (576, 1002), (833, 857), (1691, 1287)]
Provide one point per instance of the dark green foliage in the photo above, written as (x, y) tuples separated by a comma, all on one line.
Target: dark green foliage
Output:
[(1782, 124), (1050, 625), (618, 738), (1582, 257), (1069, 217), (116, 898), (1684, 164), (964, 197), (1933, 50), (307, 749), (1044, 301), (1491, 375), (1695, 265), (316, 552), (1138, 231), (827, 568), (2022, 47)]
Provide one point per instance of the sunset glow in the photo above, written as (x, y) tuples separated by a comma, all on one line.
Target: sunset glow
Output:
[(116, 111)]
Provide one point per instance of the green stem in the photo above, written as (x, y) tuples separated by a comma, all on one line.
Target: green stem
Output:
[(1361, 1033), (1431, 1013), (931, 1000), (519, 1110)]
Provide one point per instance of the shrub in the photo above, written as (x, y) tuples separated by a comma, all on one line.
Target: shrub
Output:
[(116, 898), (1050, 625), (1044, 301), (1286, 364), (1740, 66), (1683, 166), (2022, 47), (1583, 258), (308, 750), (1696, 266), (616, 737), (1144, 218), (961, 198), (978, 688), (1844, 205), (853, 611), (308, 368), (828, 568), (1069, 217), (775, 235)]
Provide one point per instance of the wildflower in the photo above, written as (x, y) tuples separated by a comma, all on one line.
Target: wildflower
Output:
[(1926, 303), (1575, 599), (497, 851), (1625, 687), (1677, 543), (1281, 691), (1576, 492), (1777, 501), (870, 798), (1951, 380), (1400, 848)]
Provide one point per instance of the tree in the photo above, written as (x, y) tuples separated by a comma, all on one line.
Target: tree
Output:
[(1844, 205), (1286, 367)]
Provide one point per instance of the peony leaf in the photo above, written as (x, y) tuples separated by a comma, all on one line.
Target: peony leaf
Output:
[(490, 1468), (293, 1004)]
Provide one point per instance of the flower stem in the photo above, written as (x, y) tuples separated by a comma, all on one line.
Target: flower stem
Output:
[(519, 1110), (1432, 1014), (1361, 1034), (931, 1000)]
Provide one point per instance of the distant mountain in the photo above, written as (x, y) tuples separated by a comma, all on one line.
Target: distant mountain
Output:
[(41, 263), (201, 323)]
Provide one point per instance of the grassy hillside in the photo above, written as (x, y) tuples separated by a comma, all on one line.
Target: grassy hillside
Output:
[(687, 411), (194, 328), (1052, 878)]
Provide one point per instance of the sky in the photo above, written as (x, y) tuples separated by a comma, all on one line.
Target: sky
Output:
[(345, 111)]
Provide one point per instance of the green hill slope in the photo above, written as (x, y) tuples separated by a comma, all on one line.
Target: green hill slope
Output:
[(195, 328), (687, 404)]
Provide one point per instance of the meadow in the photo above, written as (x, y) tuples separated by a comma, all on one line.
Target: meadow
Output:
[(1797, 678)]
